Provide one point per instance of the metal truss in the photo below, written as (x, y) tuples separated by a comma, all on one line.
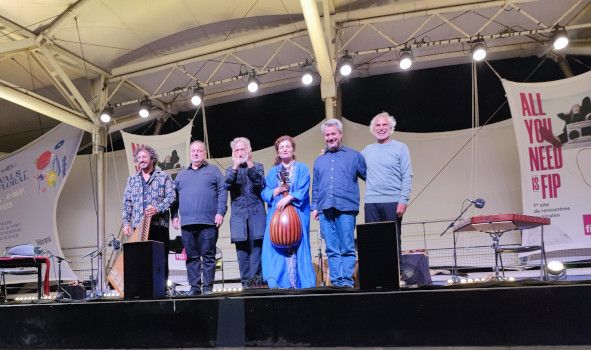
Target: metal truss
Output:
[(281, 51)]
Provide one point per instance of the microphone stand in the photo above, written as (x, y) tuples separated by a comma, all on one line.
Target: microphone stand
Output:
[(93, 254), (320, 261), (60, 291), (455, 278)]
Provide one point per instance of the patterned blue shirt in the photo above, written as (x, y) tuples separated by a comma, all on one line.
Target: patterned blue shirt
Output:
[(335, 180), (157, 191)]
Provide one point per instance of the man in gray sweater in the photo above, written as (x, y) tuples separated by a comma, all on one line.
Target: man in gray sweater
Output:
[(201, 206), (389, 174)]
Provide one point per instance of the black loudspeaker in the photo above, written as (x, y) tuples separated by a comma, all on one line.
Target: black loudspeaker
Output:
[(143, 270), (73, 291), (377, 247)]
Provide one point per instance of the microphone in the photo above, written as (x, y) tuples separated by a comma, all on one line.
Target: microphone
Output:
[(478, 202)]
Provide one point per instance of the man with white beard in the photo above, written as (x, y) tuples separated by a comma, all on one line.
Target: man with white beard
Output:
[(389, 174)]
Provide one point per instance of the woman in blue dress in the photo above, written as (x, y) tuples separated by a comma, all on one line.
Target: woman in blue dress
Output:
[(292, 267)]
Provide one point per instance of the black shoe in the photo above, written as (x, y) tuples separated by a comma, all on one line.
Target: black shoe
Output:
[(255, 281), (251, 283)]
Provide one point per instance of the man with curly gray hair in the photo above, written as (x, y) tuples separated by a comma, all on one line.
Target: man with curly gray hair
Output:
[(389, 174)]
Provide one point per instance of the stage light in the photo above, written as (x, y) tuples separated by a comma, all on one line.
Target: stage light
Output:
[(197, 97), (559, 38), (106, 114), (253, 82), (307, 74), (556, 268), (145, 107), (405, 59), (478, 50), (346, 64)]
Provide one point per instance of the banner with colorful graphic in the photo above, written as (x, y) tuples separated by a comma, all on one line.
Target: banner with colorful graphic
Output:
[(31, 180), (172, 149), (552, 123)]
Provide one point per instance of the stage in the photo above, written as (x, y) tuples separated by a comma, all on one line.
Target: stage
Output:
[(487, 314)]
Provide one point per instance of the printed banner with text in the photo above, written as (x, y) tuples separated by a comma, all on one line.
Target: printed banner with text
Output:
[(552, 123), (31, 180)]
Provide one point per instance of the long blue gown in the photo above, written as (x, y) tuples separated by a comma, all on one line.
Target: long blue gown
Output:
[(286, 268)]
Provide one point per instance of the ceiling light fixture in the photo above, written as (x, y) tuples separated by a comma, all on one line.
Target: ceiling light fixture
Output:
[(405, 59), (145, 107), (197, 97), (107, 114), (253, 82), (559, 38), (307, 73), (346, 64), (478, 50)]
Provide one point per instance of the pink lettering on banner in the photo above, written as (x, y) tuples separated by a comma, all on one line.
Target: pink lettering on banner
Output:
[(545, 151), (531, 105), (587, 224)]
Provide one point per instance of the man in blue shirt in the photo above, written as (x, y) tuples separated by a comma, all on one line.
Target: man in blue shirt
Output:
[(201, 206), (335, 201)]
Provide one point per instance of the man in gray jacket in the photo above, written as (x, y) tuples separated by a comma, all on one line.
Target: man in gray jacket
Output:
[(245, 180)]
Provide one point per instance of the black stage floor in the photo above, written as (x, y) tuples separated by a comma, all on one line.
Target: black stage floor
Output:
[(499, 314)]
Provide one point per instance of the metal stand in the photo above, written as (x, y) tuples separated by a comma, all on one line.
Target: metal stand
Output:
[(320, 261), (496, 237), (94, 293), (454, 272), (60, 290)]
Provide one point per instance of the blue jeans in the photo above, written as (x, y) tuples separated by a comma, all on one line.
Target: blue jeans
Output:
[(337, 230), (199, 242)]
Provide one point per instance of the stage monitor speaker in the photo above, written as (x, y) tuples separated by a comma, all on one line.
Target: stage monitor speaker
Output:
[(377, 247), (143, 270)]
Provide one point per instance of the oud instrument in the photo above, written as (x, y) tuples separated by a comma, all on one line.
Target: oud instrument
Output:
[(115, 275), (286, 226)]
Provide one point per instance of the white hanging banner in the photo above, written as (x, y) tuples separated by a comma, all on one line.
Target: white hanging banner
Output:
[(172, 149), (552, 123), (31, 180)]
